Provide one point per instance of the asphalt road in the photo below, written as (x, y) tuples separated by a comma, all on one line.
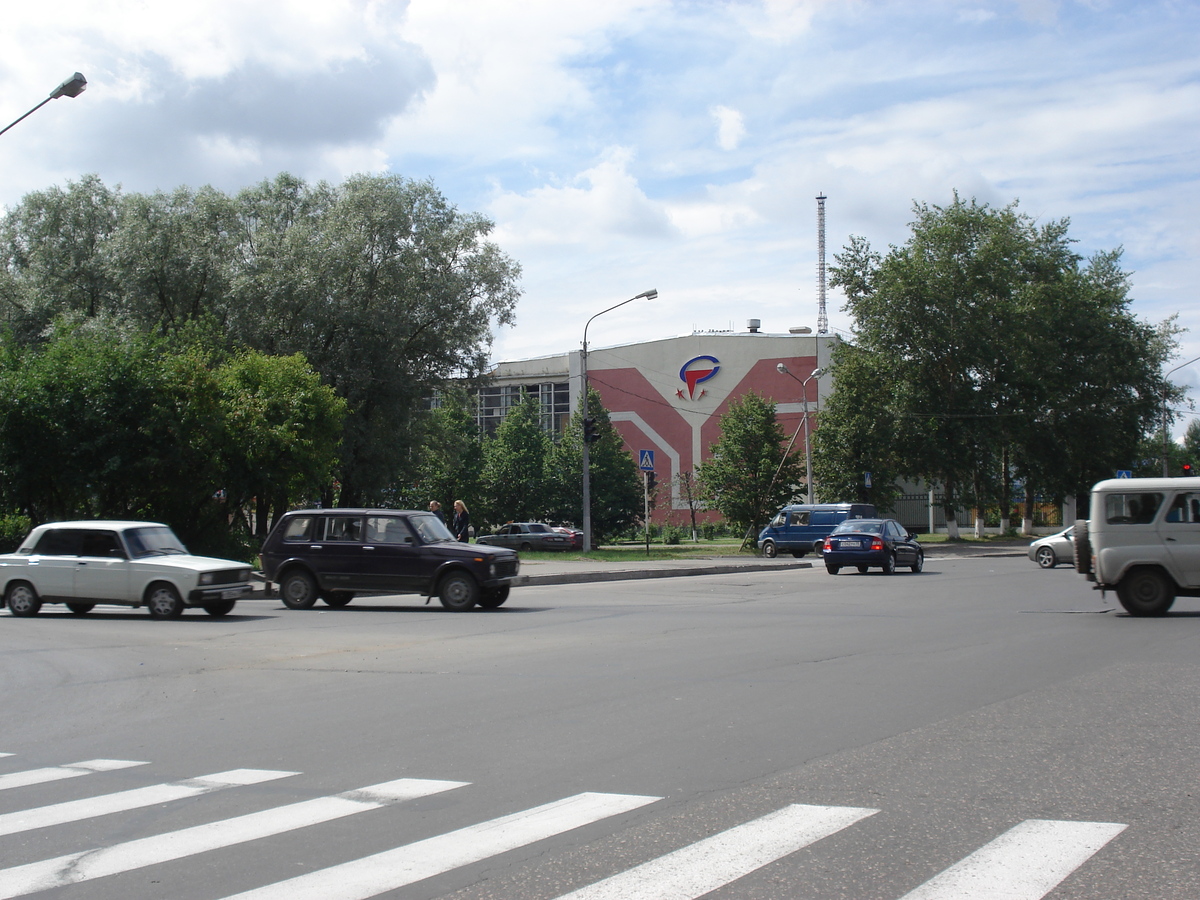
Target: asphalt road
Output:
[(983, 726)]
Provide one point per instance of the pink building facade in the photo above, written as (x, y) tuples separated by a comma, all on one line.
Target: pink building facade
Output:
[(667, 396)]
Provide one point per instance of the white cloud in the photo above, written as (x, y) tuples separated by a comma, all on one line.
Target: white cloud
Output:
[(730, 127), (603, 203)]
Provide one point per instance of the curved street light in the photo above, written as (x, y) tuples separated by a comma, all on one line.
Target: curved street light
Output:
[(587, 476), (1165, 388), (815, 373), (72, 87)]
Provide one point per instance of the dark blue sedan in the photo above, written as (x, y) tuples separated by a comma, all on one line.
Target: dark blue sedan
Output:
[(872, 543)]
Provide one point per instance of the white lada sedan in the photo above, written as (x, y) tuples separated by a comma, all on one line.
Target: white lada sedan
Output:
[(127, 563)]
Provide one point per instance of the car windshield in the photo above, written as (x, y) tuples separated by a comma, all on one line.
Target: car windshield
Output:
[(430, 528), (153, 540), (860, 526)]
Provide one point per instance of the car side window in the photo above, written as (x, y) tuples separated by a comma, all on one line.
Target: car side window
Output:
[(1131, 509), (58, 542), (538, 529), (101, 543), (297, 528), (343, 528), (800, 518), (387, 530), (1185, 509)]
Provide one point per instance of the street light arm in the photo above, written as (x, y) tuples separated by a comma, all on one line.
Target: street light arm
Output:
[(644, 295), (72, 87)]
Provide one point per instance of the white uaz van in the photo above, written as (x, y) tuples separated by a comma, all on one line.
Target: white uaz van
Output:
[(1142, 540)]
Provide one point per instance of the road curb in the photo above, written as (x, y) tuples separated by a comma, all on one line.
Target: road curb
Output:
[(637, 574)]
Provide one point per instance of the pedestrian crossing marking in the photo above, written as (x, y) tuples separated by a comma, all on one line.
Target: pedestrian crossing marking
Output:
[(73, 868), (391, 869), (137, 798), (1024, 863), (57, 773), (706, 865)]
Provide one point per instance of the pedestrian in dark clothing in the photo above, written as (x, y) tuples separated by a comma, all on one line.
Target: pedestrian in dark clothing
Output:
[(461, 526), (436, 509)]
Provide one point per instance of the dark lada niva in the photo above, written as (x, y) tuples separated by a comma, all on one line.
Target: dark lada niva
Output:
[(335, 554)]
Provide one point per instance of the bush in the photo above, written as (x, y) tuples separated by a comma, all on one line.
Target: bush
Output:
[(13, 528)]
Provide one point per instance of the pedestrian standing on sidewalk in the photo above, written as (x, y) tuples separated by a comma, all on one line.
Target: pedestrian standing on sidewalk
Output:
[(461, 525), (436, 509)]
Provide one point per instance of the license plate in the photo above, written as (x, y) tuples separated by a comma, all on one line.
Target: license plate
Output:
[(851, 545), (232, 594)]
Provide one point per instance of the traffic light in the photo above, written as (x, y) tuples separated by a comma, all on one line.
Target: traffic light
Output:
[(651, 481), (591, 432), (1187, 468)]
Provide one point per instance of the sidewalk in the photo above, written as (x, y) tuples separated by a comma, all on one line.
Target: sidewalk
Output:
[(578, 571)]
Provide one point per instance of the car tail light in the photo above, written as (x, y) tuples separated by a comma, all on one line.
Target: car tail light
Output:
[(876, 544)]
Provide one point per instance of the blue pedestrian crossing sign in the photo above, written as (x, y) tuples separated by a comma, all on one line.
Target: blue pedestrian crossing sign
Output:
[(646, 460), (1124, 473)]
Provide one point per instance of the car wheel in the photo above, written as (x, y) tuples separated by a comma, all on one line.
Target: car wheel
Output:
[(218, 608), (770, 551), (458, 591), (1146, 591), (21, 599), (163, 601), (337, 599), (799, 554), (1045, 557), (833, 570), (298, 590), (889, 564), (919, 562), (862, 570), (81, 609), (493, 597), (525, 548)]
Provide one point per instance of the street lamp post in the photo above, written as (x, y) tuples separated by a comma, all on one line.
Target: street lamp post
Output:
[(587, 475), (72, 87), (1165, 440), (815, 373)]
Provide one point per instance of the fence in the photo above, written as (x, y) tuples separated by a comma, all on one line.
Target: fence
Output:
[(912, 511)]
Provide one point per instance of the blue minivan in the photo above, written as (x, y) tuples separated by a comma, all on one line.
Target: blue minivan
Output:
[(801, 527)]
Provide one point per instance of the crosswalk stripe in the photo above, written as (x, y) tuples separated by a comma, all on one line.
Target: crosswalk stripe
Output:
[(372, 875), (57, 773), (76, 867), (137, 798), (1024, 863), (700, 868)]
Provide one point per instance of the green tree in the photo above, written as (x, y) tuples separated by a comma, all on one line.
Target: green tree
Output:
[(105, 422), (986, 338), (747, 476), (387, 290), (614, 480), (514, 468), (282, 428), (450, 458)]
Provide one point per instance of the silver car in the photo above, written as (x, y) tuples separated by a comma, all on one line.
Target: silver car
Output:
[(1053, 549)]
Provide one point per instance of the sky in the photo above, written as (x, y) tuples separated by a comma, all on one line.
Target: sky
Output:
[(635, 144)]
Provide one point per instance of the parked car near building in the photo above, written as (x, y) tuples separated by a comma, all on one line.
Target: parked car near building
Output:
[(528, 536), (335, 554), (872, 543), (801, 528), (1143, 541), (135, 564), (1053, 549)]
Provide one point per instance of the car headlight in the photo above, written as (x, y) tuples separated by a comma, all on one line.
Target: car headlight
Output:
[(206, 578)]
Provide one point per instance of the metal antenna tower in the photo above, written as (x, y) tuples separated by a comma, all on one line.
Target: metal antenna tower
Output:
[(822, 317)]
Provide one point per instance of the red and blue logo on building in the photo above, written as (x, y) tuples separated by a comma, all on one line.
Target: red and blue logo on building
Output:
[(695, 371)]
